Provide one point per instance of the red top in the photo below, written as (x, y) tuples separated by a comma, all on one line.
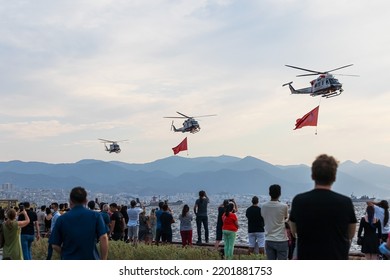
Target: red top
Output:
[(229, 222)]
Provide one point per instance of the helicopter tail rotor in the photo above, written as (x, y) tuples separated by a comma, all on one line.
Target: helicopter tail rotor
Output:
[(174, 128), (292, 89)]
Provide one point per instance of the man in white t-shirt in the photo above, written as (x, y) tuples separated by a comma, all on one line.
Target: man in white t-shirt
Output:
[(275, 215), (133, 223)]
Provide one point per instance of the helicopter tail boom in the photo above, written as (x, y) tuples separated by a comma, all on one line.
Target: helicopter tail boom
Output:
[(174, 128), (297, 91)]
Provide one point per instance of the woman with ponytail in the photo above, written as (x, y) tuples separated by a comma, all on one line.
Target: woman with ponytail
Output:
[(371, 229), (382, 213), (185, 219)]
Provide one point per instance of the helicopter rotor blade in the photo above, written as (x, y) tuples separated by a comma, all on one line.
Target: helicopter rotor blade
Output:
[(184, 115), (346, 75), (339, 68), (104, 140), (305, 75), (187, 117), (111, 141), (204, 116), (303, 69)]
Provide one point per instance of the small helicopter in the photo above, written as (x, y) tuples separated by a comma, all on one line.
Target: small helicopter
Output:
[(326, 85), (189, 125), (114, 147)]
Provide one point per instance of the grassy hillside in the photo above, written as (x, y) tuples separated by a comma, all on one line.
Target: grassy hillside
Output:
[(119, 250)]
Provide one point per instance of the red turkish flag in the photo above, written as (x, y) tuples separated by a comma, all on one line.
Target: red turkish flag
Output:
[(310, 119), (181, 147)]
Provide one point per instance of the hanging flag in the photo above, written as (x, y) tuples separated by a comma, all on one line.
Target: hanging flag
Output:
[(310, 119), (181, 147)]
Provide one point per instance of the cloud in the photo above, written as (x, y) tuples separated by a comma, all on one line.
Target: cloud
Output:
[(39, 130), (73, 72)]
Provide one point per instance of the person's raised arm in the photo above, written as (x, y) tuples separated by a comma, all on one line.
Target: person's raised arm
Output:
[(26, 219)]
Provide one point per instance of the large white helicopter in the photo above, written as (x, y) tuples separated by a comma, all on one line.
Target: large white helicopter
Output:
[(113, 147), (326, 85), (189, 125)]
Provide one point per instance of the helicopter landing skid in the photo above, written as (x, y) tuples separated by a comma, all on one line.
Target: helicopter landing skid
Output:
[(332, 94)]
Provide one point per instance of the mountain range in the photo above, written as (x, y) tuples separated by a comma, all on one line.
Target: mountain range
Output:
[(171, 175)]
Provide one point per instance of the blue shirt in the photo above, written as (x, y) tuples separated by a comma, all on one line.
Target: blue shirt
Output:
[(158, 216), (76, 232)]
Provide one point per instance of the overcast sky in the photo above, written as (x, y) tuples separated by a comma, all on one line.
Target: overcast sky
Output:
[(75, 71)]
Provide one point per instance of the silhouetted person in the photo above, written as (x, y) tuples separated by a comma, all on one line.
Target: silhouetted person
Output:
[(324, 221), (256, 233), (200, 210)]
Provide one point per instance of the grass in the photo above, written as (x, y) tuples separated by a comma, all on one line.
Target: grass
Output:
[(119, 250)]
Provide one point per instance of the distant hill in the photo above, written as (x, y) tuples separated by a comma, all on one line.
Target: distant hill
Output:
[(175, 174)]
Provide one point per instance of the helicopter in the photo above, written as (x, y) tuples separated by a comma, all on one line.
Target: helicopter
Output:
[(326, 85), (114, 147), (189, 125)]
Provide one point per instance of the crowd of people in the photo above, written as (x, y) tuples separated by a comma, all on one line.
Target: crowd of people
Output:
[(319, 225)]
